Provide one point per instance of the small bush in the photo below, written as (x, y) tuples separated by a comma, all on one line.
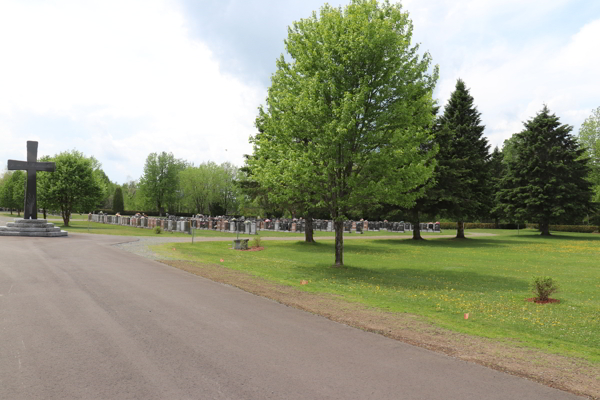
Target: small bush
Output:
[(543, 286), (158, 230), (256, 242)]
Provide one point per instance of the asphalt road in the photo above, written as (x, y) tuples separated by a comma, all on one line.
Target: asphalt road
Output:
[(81, 319)]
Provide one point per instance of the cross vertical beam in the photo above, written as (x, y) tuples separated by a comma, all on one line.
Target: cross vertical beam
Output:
[(30, 206)]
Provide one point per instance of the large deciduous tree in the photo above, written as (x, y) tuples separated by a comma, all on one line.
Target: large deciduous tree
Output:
[(196, 184), (73, 186), (161, 179), (346, 112), (15, 191), (589, 137), (546, 177), (462, 183), (210, 188), (6, 199)]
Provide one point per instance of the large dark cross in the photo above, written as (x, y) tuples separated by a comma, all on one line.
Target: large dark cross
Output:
[(31, 166)]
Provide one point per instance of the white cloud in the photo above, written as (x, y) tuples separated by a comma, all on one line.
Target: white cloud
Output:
[(121, 79), (514, 56), (96, 65)]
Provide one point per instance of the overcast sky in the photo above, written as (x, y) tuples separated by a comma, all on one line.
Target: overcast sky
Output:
[(119, 79)]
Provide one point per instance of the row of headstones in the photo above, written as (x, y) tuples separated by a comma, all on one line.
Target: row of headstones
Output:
[(349, 226), (251, 227), (176, 225)]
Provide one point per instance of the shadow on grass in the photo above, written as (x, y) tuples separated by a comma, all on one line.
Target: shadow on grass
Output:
[(407, 278), (417, 279)]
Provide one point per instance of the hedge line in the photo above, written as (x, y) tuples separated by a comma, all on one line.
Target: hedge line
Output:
[(557, 228), (568, 228), (479, 225)]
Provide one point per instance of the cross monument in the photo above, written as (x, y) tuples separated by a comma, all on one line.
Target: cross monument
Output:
[(31, 166)]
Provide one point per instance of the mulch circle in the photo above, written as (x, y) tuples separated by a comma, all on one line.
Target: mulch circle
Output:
[(254, 249), (535, 300)]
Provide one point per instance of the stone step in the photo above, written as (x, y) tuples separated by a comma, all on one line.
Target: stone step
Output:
[(22, 225), (34, 234), (28, 229), (32, 228)]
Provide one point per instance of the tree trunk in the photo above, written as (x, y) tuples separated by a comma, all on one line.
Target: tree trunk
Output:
[(66, 217), (545, 229), (417, 226), (497, 223), (460, 230), (339, 243), (44, 211), (308, 232)]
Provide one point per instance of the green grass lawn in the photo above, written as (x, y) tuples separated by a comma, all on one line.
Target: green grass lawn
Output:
[(441, 279)]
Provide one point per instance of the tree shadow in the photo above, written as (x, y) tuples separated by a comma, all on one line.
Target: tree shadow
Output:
[(418, 279), (592, 237)]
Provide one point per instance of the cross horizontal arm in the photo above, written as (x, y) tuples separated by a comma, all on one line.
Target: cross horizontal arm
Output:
[(31, 166)]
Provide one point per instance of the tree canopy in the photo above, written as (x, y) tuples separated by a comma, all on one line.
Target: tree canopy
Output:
[(210, 188), (12, 190), (160, 181), (589, 137), (546, 175), (73, 186), (346, 115)]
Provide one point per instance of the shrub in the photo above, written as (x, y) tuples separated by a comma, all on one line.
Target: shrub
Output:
[(256, 242), (158, 230), (543, 287)]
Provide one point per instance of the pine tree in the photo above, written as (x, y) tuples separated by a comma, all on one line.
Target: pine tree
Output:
[(546, 180), (462, 186)]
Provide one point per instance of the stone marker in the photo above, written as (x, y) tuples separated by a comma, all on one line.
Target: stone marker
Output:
[(31, 166), (30, 225)]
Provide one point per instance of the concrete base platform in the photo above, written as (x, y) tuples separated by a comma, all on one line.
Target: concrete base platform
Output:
[(31, 227)]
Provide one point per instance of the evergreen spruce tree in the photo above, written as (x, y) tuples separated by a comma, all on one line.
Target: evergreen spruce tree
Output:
[(546, 180), (462, 186), (118, 203)]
